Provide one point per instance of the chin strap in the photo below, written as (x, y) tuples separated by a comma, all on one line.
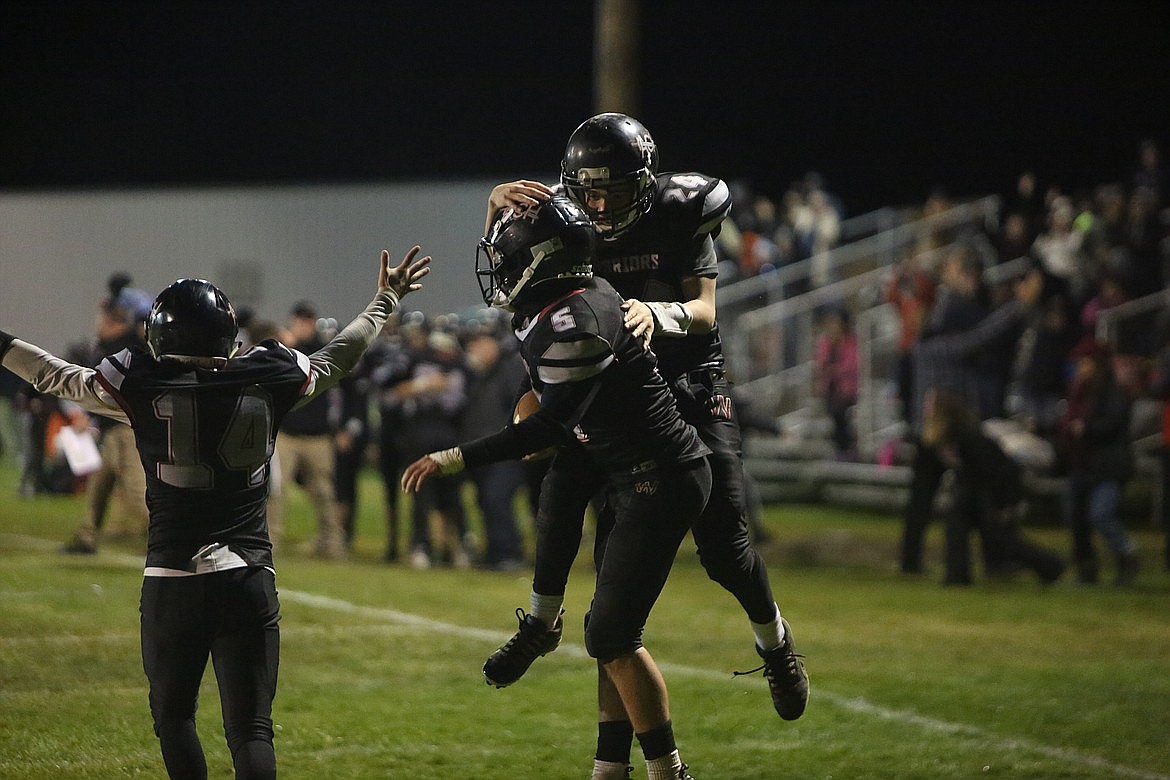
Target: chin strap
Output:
[(670, 319)]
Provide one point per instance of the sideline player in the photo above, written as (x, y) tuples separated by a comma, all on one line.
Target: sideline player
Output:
[(596, 383), (657, 250), (205, 423)]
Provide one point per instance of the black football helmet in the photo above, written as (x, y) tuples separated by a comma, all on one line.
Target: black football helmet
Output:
[(613, 153), (524, 251), (192, 319)]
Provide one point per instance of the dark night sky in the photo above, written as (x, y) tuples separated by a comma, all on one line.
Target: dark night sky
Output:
[(886, 99)]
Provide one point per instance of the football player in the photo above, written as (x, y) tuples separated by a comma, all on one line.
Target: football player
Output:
[(597, 386), (205, 422), (656, 248)]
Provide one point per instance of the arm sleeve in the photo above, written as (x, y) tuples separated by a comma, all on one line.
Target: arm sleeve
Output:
[(54, 376), (334, 360), (561, 408)]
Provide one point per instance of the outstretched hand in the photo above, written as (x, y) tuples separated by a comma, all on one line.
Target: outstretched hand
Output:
[(417, 473), (404, 277)]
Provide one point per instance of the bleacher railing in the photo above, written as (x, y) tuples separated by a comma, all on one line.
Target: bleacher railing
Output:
[(769, 338)]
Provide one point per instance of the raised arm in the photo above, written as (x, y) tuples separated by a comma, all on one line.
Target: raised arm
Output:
[(54, 376), (343, 351)]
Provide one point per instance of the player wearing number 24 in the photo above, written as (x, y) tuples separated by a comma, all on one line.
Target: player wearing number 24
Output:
[(205, 422)]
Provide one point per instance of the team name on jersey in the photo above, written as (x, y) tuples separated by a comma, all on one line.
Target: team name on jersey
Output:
[(633, 263)]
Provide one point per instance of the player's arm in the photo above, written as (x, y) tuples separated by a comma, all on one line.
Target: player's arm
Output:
[(561, 407), (51, 375), (674, 319), (334, 360), (517, 195), (571, 373)]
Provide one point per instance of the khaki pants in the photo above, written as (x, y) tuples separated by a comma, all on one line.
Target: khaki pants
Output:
[(120, 476), (312, 458)]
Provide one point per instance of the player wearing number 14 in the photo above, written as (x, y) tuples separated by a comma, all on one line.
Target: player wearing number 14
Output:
[(205, 423)]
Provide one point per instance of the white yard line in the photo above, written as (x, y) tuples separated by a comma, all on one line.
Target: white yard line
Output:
[(819, 694)]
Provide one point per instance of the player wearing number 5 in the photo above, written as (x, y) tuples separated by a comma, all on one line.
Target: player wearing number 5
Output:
[(205, 422)]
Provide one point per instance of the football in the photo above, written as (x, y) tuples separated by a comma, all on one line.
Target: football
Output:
[(525, 407)]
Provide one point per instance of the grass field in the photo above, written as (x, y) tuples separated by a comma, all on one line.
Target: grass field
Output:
[(380, 673)]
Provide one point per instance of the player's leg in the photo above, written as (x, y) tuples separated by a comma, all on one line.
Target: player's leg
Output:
[(246, 657), (650, 521), (615, 733), (726, 552), (568, 485), (174, 655)]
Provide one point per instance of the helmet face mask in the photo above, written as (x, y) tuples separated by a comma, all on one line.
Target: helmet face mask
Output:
[(192, 321), (608, 169), (526, 250)]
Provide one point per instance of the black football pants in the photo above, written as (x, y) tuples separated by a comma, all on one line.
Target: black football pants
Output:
[(232, 617), (650, 519)]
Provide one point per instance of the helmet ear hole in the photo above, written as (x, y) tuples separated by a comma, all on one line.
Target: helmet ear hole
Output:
[(615, 154), (526, 253)]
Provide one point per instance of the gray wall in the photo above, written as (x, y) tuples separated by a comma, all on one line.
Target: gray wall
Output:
[(266, 247)]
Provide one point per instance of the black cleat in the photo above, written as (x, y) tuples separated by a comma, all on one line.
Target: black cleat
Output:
[(509, 663), (787, 680)]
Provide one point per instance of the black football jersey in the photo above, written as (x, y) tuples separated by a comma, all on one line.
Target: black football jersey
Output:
[(205, 438), (631, 424), (671, 241)]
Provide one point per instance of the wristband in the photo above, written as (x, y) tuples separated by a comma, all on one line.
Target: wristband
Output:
[(670, 319), (6, 340), (450, 461)]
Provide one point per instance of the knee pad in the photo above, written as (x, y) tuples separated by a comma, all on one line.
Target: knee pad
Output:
[(606, 643)]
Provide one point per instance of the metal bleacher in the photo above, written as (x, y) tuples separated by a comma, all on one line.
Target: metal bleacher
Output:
[(769, 336)]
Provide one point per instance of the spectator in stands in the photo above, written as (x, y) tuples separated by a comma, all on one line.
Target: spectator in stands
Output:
[(944, 363), (1151, 174), (1044, 371), (1059, 249), (825, 234), (1027, 202), (1110, 292), (988, 497), (911, 290), (835, 376), (1144, 234), (1095, 443), (1014, 238)]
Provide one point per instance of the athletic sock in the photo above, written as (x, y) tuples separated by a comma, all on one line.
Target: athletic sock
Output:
[(547, 608), (665, 767), (614, 741), (769, 635), (608, 770)]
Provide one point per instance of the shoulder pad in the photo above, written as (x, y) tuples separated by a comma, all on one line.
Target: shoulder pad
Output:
[(573, 360), (698, 202)]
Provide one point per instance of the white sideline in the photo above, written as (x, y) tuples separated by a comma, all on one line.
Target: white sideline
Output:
[(488, 636)]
